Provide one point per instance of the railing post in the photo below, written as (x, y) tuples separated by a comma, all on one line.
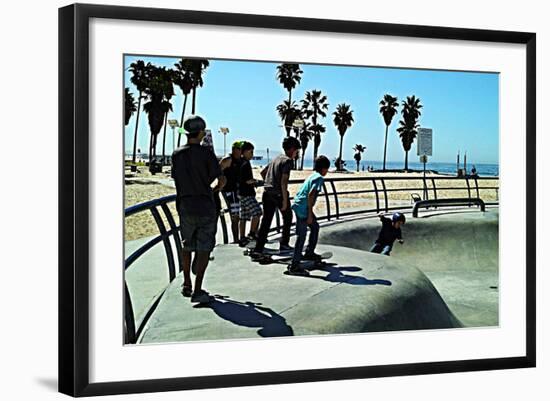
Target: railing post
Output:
[(327, 200), (129, 321), (469, 192), (224, 227), (336, 203), (166, 242), (385, 194), (376, 194), (434, 189), (175, 232)]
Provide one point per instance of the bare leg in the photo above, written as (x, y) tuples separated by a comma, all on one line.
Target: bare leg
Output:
[(186, 256), (254, 225), (202, 264)]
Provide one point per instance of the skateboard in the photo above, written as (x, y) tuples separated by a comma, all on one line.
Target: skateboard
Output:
[(269, 252), (285, 259)]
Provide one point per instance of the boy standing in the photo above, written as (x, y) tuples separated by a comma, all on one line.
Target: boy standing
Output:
[(231, 168), (276, 175), (250, 208), (303, 208), (194, 169), (390, 231)]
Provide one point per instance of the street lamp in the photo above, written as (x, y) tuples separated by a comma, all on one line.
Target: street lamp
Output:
[(173, 124), (224, 131)]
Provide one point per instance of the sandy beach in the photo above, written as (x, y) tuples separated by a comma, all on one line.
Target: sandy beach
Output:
[(143, 186)]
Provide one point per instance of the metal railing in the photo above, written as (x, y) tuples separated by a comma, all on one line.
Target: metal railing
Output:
[(380, 191)]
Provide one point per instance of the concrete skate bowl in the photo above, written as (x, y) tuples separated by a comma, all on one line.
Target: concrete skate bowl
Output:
[(416, 288), (457, 251)]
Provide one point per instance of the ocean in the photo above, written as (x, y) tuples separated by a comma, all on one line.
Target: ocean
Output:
[(483, 169)]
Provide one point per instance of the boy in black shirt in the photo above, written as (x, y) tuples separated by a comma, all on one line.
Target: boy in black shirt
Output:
[(391, 231), (231, 168), (194, 169), (250, 208)]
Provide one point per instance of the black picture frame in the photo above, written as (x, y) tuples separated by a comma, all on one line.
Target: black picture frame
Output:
[(74, 198)]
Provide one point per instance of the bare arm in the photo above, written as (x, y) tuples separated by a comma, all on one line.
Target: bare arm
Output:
[(284, 190), (312, 196), (263, 173)]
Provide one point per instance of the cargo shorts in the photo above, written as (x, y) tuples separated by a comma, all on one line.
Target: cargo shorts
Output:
[(198, 233)]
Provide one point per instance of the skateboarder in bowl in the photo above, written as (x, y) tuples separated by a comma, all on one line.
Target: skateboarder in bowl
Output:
[(390, 231), (304, 202)]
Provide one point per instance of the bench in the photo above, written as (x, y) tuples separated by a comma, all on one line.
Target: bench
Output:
[(448, 202)]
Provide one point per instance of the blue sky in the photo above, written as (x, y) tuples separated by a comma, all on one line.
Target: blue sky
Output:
[(461, 107)]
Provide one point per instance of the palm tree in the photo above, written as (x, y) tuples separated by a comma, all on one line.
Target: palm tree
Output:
[(140, 72), (129, 105), (184, 79), (357, 156), (289, 75), (305, 135), (168, 76), (343, 119), (159, 92), (197, 69), (388, 109), (288, 112), (408, 126), (314, 106)]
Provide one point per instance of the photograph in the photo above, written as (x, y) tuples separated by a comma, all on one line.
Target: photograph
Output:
[(279, 198)]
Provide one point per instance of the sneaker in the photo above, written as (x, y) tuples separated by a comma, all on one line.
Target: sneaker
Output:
[(297, 270), (285, 248), (186, 290), (257, 256), (243, 242), (312, 256), (201, 297)]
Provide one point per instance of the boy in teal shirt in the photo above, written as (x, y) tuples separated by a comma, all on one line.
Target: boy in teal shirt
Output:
[(303, 208)]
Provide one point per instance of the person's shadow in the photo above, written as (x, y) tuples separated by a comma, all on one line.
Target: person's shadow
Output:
[(250, 314), (336, 275)]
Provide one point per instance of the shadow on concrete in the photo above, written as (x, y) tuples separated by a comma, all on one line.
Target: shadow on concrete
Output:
[(250, 314), (336, 275)]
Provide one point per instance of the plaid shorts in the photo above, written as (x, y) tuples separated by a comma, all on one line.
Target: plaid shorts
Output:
[(250, 208), (233, 203)]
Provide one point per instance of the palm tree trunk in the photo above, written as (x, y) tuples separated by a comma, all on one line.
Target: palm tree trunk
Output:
[(164, 138), (406, 160), (150, 150), (194, 101), (136, 130), (289, 97), (303, 157), (385, 145), (340, 167), (358, 162), (181, 120), (316, 145)]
